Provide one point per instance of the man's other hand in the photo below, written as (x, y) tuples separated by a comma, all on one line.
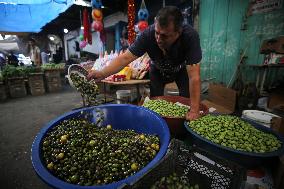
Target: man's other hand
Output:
[(191, 115)]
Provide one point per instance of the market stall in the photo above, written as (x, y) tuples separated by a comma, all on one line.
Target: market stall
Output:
[(149, 142)]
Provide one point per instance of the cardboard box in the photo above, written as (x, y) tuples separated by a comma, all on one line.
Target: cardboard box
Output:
[(275, 99), (275, 45), (221, 98), (277, 124), (279, 45)]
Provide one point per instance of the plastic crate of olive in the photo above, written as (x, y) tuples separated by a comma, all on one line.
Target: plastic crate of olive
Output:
[(189, 167), (237, 139), (103, 147), (173, 109)]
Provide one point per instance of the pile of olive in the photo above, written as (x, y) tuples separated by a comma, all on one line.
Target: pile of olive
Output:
[(173, 182), (88, 89), (79, 152), (166, 108), (232, 132)]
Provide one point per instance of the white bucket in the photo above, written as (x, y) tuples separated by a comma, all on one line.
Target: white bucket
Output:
[(123, 96), (260, 117)]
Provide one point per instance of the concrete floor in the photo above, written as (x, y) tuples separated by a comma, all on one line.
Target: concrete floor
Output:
[(20, 121)]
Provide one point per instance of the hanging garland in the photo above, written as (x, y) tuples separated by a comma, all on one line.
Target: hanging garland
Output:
[(131, 21)]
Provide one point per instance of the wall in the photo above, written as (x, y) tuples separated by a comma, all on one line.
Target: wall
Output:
[(226, 33), (260, 27), (219, 29)]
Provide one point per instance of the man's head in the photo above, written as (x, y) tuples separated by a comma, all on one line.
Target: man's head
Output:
[(168, 26), (32, 41)]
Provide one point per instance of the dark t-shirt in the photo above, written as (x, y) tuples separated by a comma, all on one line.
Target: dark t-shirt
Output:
[(185, 51)]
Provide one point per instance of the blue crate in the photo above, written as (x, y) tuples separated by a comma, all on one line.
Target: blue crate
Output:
[(246, 159), (120, 116)]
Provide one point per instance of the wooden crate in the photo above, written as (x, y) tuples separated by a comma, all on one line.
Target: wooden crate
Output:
[(36, 84), (3, 92), (17, 87), (52, 80), (54, 86), (49, 74)]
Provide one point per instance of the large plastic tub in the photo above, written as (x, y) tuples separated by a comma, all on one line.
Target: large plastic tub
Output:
[(119, 116), (246, 159)]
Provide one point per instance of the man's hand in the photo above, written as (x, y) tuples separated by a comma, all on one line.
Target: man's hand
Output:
[(192, 115), (95, 74)]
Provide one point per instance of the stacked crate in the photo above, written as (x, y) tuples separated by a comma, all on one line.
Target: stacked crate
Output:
[(36, 84), (53, 80), (17, 87)]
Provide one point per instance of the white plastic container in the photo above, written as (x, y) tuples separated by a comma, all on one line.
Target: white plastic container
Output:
[(260, 117), (123, 96)]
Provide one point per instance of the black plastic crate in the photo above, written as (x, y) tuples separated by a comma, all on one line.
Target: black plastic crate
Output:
[(195, 166)]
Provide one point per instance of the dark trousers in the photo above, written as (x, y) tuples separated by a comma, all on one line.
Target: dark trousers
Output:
[(159, 80)]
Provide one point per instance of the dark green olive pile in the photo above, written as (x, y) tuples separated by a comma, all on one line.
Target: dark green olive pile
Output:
[(166, 108), (79, 152), (88, 89), (231, 131), (173, 182)]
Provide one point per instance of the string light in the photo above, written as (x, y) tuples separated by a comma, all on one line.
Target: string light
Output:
[(131, 21)]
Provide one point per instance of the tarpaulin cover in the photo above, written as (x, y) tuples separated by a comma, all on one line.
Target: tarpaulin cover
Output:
[(29, 15)]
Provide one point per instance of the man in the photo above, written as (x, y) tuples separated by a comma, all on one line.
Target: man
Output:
[(2, 61), (13, 60), (34, 52), (175, 53)]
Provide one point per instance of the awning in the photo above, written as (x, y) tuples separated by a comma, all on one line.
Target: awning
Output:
[(29, 15)]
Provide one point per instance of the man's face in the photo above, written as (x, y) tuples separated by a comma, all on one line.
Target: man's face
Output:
[(31, 43), (166, 36)]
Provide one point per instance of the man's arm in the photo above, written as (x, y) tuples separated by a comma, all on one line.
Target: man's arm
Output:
[(37, 57), (193, 72), (115, 66)]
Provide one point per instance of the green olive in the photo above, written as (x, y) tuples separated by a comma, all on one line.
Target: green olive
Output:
[(232, 132), (80, 152)]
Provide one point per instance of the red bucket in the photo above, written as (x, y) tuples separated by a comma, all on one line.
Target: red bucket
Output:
[(175, 124)]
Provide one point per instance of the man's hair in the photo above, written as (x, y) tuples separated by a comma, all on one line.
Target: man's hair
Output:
[(170, 14), (32, 39)]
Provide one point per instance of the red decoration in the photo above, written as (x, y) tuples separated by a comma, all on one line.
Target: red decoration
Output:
[(131, 21), (97, 14), (87, 28), (142, 25), (83, 44), (103, 36), (97, 26)]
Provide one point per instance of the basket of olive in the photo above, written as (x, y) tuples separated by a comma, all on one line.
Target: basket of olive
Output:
[(88, 89), (245, 142), (106, 146), (173, 109)]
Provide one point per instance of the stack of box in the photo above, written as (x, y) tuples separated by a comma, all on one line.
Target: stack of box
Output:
[(17, 87), (36, 84), (53, 80)]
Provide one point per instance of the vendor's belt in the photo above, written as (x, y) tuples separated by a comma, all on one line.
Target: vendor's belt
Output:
[(173, 70)]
